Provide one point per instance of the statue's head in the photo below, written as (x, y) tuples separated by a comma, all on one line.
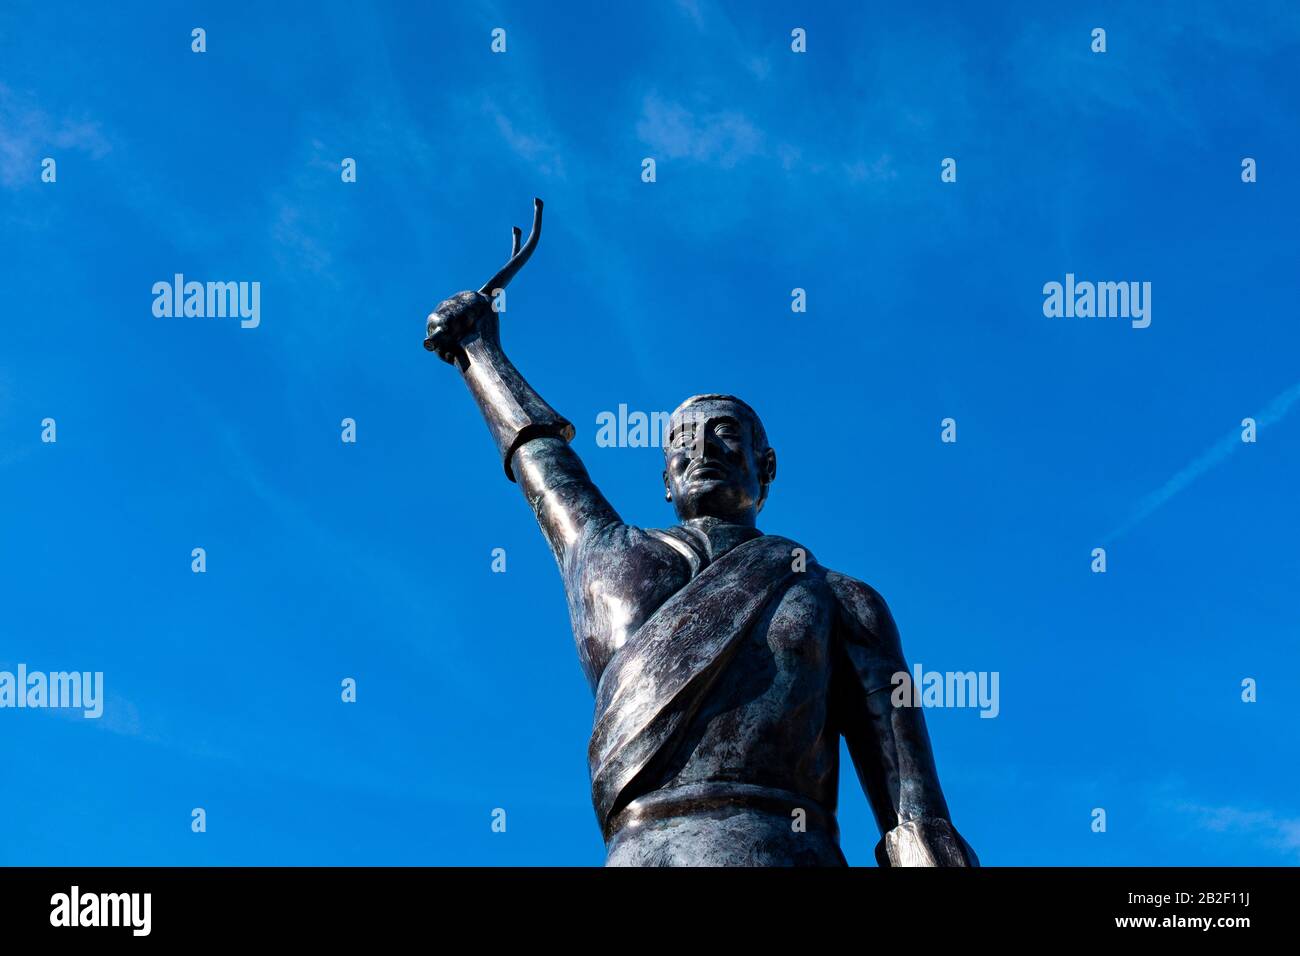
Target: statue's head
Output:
[(716, 460)]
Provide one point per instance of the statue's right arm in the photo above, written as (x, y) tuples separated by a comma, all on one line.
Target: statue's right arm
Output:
[(533, 442)]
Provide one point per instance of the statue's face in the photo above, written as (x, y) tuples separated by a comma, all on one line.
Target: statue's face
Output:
[(711, 466)]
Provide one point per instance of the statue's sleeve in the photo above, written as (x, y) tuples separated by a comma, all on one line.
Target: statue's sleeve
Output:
[(889, 745)]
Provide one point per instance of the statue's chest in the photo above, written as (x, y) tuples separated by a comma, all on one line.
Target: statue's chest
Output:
[(622, 588), (797, 631)]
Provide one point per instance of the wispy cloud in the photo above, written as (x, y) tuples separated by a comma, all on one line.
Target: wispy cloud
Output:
[(722, 138), (1273, 413), (1261, 826), (692, 10), (880, 169), (28, 133), (120, 715), (530, 147), (300, 230)]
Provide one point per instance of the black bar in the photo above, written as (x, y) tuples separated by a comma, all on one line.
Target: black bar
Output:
[(333, 905)]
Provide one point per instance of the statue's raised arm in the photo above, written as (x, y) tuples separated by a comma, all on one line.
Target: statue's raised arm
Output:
[(532, 438)]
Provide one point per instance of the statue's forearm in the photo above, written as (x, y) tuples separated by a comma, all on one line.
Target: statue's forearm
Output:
[(891, 748), (513, 410), (533, 440), (915, 823)]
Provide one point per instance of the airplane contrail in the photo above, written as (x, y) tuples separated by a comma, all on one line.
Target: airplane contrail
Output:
[(1274, 412)]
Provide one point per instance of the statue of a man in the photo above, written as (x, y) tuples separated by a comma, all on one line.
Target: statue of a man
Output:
[(726, 663)]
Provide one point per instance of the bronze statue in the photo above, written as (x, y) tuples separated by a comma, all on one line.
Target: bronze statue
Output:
[(725, 662)]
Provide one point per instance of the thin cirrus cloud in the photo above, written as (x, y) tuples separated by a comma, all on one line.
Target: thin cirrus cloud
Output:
[(723, 138), (1274, 412), (1264, 827), (531, 147), (27, 132)]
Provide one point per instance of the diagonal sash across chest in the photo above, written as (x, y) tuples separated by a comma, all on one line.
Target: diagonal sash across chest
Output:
[(656, 682)]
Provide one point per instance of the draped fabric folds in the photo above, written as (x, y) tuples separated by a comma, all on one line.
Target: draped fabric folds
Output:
[(657, 681)]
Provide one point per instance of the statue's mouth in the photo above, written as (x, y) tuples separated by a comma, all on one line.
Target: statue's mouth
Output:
[(706, 469)]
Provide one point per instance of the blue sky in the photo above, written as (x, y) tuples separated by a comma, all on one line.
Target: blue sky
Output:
[(774, 170)]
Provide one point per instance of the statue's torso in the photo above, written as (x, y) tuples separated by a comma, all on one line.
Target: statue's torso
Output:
[(764, 726)]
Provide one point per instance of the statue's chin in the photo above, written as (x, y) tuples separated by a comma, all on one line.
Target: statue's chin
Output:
[(715, 498)]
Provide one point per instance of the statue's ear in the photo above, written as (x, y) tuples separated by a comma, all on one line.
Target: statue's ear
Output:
[(766, 475), (668, 490)]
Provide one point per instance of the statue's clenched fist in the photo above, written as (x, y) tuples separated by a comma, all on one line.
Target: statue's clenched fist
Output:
[(457, 319)]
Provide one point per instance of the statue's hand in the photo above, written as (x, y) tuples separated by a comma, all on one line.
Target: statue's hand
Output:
[(458, 319)]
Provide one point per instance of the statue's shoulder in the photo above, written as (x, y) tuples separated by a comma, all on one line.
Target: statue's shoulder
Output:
[(620, 542), (852, 587), (860, 602)]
